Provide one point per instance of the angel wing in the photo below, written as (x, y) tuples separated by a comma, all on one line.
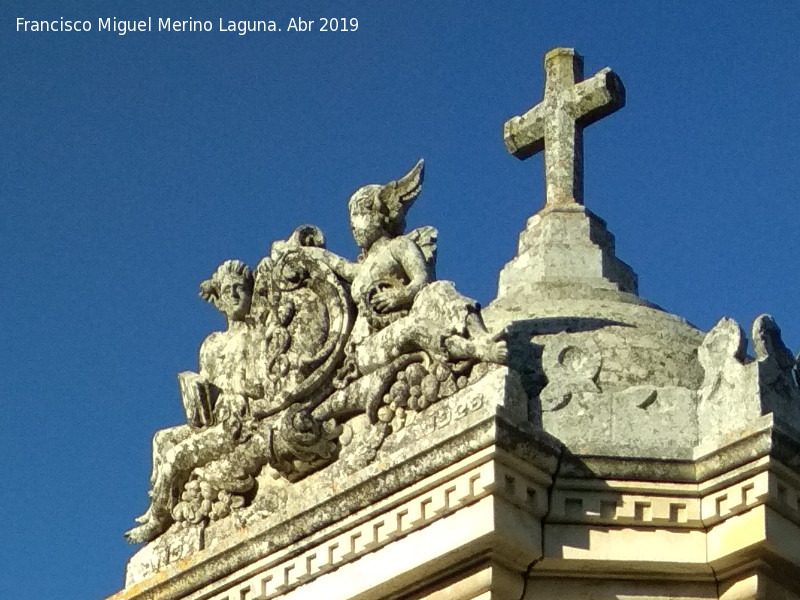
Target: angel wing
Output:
[(397, 196), (425, 238)]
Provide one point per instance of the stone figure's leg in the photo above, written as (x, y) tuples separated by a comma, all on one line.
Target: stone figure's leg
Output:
[(408, 334), (483, 346), (363, 392), (443, 309), (235, 470), (175, 466), (164, 440)]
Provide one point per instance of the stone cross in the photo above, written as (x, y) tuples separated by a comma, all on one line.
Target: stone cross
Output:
[(556, 124)]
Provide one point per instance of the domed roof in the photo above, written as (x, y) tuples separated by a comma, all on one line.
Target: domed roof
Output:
[(605, 371)]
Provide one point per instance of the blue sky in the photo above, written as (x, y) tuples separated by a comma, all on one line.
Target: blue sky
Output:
[(130, 166)]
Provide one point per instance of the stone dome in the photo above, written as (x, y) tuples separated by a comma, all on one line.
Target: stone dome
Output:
[(605, 371)]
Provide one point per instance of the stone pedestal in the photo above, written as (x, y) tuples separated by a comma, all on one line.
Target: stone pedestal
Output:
[(564, 251)]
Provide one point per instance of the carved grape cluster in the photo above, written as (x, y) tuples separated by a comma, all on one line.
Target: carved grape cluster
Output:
[(416, 387), (201, 502)]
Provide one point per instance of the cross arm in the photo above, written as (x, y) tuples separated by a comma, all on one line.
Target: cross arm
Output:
[(524, 135), (598, 96)]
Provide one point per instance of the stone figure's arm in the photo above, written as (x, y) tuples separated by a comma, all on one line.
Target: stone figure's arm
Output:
[(196, 394), (251, 388), (207, 357), (243, 384), (341, 266), (408, 254)]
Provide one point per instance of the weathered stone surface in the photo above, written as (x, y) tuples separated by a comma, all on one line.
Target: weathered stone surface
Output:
[(323, 360), (285, 512), (565, 249), (358, 432), (605, 376), (736, 389), (565, 253), (489, 486)]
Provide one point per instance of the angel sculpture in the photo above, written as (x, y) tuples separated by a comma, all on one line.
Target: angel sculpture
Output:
[(401, 307)]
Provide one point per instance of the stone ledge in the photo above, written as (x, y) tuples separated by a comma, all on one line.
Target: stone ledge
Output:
[(451, 435), (487, 493), (648, 507)]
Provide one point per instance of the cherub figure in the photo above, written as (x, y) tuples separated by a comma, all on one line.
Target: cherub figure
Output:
[(217, 401), (401, 307)]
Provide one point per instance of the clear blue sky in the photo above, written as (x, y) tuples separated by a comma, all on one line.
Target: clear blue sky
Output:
[(132, 165)]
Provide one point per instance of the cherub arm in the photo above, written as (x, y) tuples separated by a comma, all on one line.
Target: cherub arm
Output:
[(341, 266), (207, 357), (410, 257)]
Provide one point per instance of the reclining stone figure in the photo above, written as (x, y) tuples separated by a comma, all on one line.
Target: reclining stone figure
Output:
[(216, 401)]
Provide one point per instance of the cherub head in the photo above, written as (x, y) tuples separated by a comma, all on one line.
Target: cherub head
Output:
[(378, 211), (230, 289), (369, 217)]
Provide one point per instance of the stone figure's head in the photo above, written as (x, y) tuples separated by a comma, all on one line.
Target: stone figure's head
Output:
[(378, 211), (369, 219), (230, 289), (767, 342)]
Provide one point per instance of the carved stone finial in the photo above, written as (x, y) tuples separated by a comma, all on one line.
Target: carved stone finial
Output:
[(565, 250), (767, 343), (556, 124)]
